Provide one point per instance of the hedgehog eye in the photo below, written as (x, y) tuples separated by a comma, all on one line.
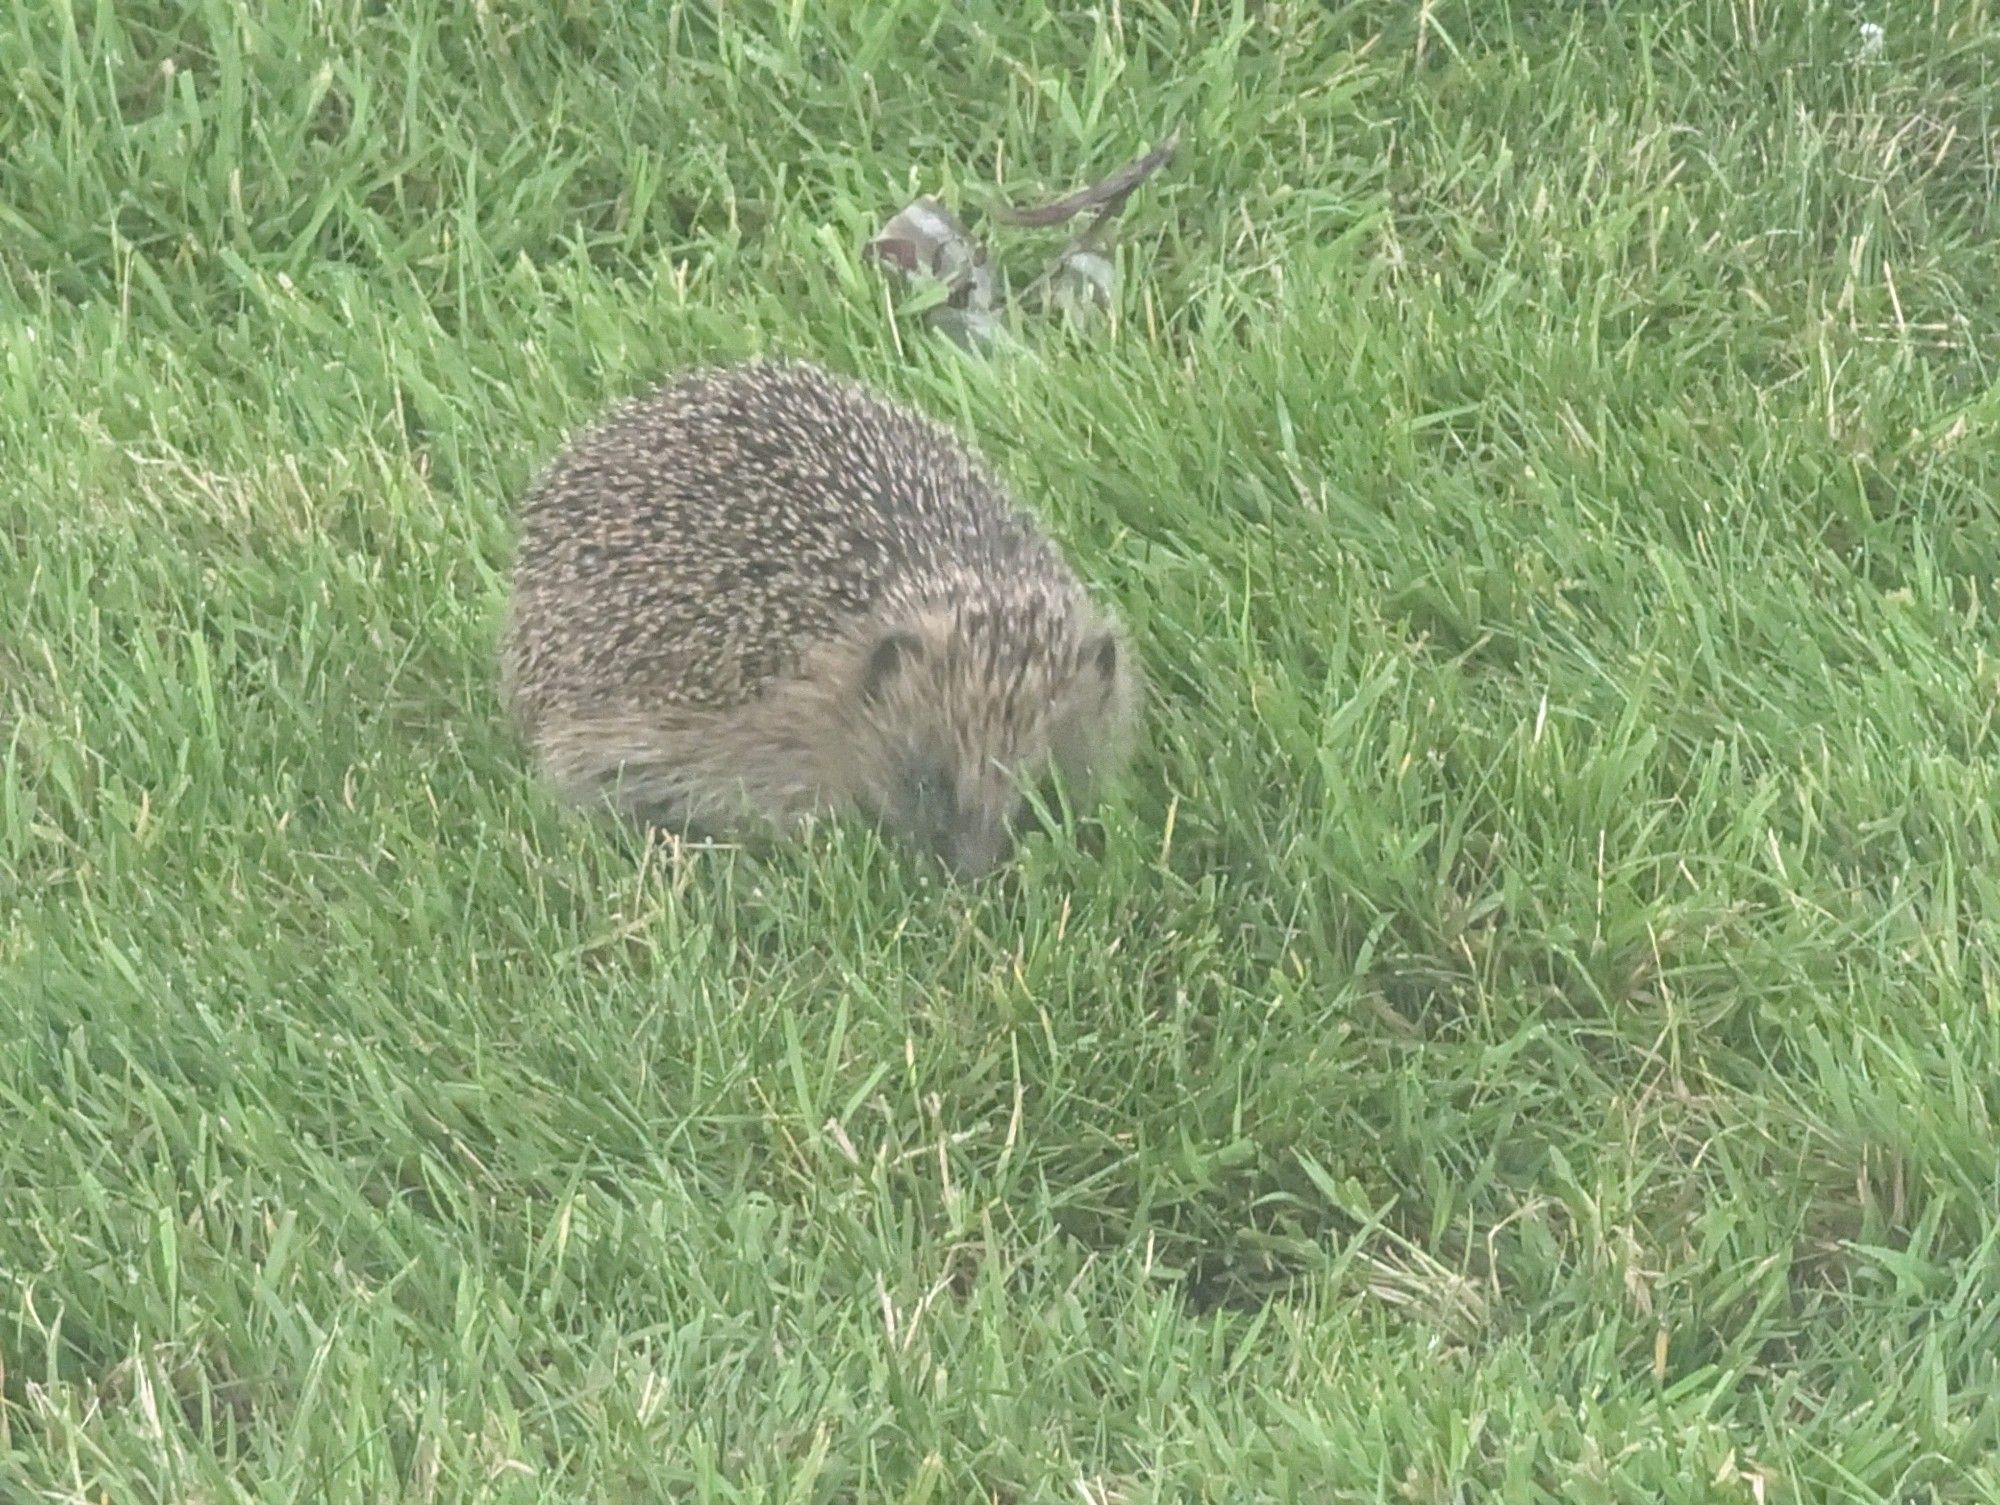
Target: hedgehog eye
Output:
[(1104, 656), (886, 660)]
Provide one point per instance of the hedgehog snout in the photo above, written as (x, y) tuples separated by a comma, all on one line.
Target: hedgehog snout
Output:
[(976, 846)]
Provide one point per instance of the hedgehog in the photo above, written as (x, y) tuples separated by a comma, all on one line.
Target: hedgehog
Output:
[(763, 594)]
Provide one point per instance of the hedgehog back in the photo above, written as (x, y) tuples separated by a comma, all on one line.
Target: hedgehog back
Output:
[(696, 541)]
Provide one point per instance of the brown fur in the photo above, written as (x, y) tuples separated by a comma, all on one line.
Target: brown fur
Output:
[(763, 593)]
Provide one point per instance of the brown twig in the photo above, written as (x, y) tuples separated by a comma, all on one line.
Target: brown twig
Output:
[(1106, 196)]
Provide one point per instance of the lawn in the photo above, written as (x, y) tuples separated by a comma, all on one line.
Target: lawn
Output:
[(1529, 1029)]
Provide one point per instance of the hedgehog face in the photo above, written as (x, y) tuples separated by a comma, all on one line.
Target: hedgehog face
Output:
[(959, 716), (964, 820)]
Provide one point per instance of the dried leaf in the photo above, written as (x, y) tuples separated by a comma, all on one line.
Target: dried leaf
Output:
[(954, 284), (930, 250), (925, 243), (1085, 281)]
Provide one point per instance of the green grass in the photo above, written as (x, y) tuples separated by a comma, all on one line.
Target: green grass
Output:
[(1533, 1028)]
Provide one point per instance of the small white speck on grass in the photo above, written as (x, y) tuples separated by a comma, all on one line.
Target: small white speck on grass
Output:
[(1872, 38), (148, 1402), (833, 1130)]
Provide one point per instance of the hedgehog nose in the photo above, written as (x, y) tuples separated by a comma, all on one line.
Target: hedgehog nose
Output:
[(974, 852)]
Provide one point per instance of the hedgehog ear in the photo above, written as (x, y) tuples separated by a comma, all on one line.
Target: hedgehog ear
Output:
[(1101, 656), (892, 653)]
